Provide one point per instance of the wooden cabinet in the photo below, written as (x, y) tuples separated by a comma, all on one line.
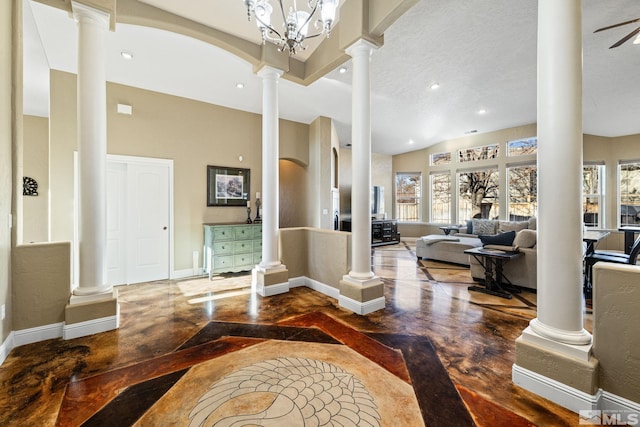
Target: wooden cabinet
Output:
[(231, 247), (383, 232)]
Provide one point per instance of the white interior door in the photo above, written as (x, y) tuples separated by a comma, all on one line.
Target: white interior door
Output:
[(116, 223), (138, 220)]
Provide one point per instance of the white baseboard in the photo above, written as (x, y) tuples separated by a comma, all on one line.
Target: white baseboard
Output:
[(570, 397), (361, 307), (187, 272), (93, 326), (271, 290), (37, 334), (6, 347), (327, 290)]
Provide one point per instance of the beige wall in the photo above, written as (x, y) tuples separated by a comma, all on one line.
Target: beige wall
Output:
[(36, 166), (616, 341), (193, 134), (41, 289), (293, 195), (6, 170), (322, 140)]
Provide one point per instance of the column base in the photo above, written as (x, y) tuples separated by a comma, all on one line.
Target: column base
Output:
[(554, 344), (88, 291), (560, 376), (362, 296), (88, 315), (270, 280)]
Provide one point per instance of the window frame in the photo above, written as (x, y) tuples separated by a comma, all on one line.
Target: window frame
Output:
[(418, 197)]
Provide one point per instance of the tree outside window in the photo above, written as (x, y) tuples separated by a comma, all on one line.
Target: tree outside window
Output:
[(478, 194), (523, 192), (408, 196), (441, 198)]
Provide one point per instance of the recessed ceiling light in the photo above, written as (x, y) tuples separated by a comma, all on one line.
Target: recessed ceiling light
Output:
[(240, 85), (482, 111), (434, 86), (469, 132), (411, 142), (126, 55), (342, 70)]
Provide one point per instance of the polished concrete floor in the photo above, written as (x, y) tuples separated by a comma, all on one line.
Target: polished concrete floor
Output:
[(200, 352)]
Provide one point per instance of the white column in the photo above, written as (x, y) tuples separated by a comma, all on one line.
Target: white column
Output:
[(270, 170), (361, 161), (560, 180), (92, 149)]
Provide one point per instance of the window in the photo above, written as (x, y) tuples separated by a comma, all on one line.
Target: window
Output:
[(441, 198), (408, 196), (592, 193), (522, 147), (523, 192), (478, 197), (629, 188), (479, 153), (441, 158)]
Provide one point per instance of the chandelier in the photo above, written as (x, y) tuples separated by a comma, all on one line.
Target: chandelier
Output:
[(296, 23)]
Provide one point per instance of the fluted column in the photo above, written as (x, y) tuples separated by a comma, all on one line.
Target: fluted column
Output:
[(553, 354), (270, 276), (92, 149), (361, 288)]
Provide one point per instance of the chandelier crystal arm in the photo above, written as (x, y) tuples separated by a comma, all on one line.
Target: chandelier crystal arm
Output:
[(268, 29)]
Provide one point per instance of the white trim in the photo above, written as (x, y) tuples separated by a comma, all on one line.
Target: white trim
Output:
[(6, 347), (610, 401), (187, 272), (361, 307), (317, 286), (570, 397), (268, 291), (37, 334), (90, 327)]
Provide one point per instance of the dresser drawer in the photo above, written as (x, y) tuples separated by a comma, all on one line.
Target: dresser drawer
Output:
[(243, 246), (257, 258), (220, 262), (223, 233), (242, 233), (257, 232), (243, 260), (257, 246), (222, 248)]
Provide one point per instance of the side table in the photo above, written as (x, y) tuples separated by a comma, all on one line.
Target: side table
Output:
[(492, 261)]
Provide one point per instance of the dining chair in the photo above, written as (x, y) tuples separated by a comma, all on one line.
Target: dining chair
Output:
[(606, 256)]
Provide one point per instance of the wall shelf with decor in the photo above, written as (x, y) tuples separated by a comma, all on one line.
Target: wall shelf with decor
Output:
[(231, 248), (383, 231)]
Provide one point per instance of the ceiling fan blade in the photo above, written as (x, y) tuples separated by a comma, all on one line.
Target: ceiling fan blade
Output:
[(625, 38), (617, 25)]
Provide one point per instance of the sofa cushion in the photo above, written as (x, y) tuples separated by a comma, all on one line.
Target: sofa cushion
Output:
[(484, 226), (533, 223), (503, 239), (516, 226), (526, 239)]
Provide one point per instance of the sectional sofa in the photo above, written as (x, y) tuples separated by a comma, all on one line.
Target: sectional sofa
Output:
[(521, 271)]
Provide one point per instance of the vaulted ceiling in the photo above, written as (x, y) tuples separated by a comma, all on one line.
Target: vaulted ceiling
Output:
[(482, 55)]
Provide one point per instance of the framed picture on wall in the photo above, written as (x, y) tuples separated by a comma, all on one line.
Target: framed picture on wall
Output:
[(227, 186)]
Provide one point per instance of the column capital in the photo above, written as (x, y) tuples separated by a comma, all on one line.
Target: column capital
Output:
[(90, 15), (268, 72), (361, 47)]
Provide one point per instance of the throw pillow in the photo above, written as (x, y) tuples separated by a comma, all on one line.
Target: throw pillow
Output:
[(516, 226), (484, 226), (503, 239), (532, 223), (526, 239)]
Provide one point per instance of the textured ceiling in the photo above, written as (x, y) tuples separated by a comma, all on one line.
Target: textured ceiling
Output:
[(483, 55)]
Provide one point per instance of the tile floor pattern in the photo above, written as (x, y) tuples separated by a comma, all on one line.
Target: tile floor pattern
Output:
[(436, 355)]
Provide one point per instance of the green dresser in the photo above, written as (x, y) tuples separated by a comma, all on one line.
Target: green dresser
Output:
[(231, 247)]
